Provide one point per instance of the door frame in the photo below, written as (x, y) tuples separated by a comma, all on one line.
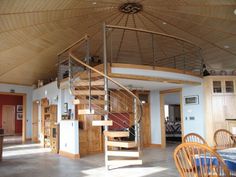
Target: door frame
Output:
[(24, 95), (35, 103), (162, 114)]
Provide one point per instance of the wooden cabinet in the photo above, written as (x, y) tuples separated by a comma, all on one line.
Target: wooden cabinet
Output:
[(223, 85), (220, 103), (49, 118), (55, 138)]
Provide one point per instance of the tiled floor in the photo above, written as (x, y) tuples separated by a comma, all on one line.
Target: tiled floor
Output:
[(30, 160)]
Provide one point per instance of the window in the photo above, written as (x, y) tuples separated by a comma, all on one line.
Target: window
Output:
[(217, 88), (229, 86)]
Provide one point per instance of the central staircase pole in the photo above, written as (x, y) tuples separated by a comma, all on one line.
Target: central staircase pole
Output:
[(106, 90)]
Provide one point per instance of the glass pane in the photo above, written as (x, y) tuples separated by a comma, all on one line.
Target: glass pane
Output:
[(229, 86), (217, 87)]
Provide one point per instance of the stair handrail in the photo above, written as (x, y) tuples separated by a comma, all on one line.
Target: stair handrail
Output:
[(70, 48), (73, 45), (109, 78), (151, 32)]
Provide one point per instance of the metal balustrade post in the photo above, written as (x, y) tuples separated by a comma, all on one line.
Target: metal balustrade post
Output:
[(153, 52), (70, 75), (202, 61), (175, 62), (135, 120), (111, 52), (184, 58), (106, 96), (89, 73), (58, 72)]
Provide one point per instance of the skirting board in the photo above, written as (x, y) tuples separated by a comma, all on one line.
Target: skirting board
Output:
[(69, 155), (155, 145)]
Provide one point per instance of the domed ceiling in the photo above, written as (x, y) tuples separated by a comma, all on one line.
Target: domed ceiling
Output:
[(32, 32)]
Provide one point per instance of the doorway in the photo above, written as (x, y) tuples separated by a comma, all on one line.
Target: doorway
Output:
[(15, 127), (171, 117)]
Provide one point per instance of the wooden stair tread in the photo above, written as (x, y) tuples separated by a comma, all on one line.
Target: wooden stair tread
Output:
[(84, 75), (124, 162), (116, 133), (124, 144), (102, 123), (85, 101), (86, 92), (92, 112), (122, 153), (85, 111), (85, 83)]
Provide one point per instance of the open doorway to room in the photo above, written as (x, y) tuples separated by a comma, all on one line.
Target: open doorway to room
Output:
[(11, 117), (171, 116)]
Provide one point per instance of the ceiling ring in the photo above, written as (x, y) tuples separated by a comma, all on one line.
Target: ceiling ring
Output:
[(131, 8)]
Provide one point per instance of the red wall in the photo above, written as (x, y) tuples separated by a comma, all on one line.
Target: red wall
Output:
[(120, 121), (11, 100)]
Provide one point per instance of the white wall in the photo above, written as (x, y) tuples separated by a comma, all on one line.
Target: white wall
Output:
[(155, 117), (68, 98), (55, 96), (197, 111), (49, 91), (69, 136), (172, 98), (28, 91)]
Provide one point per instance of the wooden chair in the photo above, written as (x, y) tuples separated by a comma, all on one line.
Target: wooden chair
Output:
[(194, 138), (198, 160), (224, 139)]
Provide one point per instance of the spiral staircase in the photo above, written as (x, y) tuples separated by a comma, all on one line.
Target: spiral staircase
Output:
[(120, 109)]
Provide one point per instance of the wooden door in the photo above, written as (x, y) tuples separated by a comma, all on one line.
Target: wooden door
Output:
[(218, 112), (8, 119), (35, 122), (146, 126)]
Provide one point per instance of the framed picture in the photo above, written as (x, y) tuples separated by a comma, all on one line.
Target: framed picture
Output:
[(19, 116), (65, 107), (189, 100), (19, 108)]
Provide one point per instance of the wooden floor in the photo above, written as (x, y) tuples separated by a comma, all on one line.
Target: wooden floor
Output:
[(31, 160)]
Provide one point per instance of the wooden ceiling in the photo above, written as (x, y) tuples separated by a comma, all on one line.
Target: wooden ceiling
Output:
[(32, 32)]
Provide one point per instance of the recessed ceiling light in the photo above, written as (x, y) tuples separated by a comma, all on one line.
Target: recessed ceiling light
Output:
[(226, 46), (164, 23), (94, 3), (234, 11)]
